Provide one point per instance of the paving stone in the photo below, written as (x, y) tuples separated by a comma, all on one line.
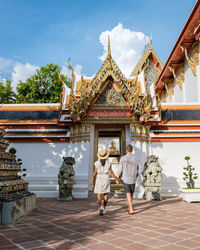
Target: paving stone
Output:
[(100, 246), (173, 247), (137, 246), (32, 244), (168, 224), (169, 239), (62, 244), (189, 243)]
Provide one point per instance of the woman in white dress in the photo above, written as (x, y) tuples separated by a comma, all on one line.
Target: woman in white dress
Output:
[(102, 184)]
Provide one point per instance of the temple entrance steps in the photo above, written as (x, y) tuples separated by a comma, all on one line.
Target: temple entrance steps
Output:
[(117, 190), (113, 194)]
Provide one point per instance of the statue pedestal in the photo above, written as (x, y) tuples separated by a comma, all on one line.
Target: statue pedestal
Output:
[(152, 193), (14, 209)]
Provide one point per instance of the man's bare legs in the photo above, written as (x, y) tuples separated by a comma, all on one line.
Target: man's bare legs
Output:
[(129, 197)]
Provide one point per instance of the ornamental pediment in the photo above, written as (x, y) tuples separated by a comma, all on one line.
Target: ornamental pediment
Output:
[(109, 96), (109, 87)]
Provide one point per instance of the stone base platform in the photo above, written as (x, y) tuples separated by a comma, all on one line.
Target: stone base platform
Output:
[(14, 209)]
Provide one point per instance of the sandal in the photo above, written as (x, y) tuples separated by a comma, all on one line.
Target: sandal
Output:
[(101, 211)]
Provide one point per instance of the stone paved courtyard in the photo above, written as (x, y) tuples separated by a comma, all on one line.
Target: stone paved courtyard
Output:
[(169, 224)]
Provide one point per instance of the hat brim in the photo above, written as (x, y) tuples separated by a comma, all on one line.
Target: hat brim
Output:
[(102, 157)]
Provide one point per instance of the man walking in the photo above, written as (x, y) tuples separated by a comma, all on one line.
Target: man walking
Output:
[(130, 168)]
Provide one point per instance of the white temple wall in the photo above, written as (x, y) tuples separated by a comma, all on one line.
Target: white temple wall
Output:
[(190, 92), (171, 158), (190, 82), (43, 160), (198, 76), (178, 93)]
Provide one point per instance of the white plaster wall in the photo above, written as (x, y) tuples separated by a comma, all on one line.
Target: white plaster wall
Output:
[(43, 160), (171, 157), (169, 100), (198, 76), (178, 93), (190, 92), (190, 82)]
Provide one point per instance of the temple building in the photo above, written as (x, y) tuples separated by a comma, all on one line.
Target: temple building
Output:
[(156, 109)]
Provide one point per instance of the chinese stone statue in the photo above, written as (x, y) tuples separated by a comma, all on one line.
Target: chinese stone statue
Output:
[(66, 179), (152, 177)]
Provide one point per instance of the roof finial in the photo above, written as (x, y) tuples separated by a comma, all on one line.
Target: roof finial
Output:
[(148, 43), (109, 50), (151, 42)]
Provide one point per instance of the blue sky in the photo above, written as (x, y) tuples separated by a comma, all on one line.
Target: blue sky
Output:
[(37, 32)]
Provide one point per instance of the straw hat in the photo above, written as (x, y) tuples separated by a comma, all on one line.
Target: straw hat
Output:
[(102, 154)]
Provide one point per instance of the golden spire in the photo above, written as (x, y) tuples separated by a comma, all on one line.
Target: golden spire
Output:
[(151, 42), (109, 50), (148, 44), (109, 57)]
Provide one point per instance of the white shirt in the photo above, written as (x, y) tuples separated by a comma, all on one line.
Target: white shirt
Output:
[(129, 166)]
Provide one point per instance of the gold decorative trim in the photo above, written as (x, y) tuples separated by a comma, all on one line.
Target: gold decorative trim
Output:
[(158, 104), (29, 108), (163, 96), (193, 57), (139, 133), (178, 75), (181, 107), (170, 88), (80, 133)]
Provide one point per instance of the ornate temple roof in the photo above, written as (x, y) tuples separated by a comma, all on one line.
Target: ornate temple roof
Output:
[(189, 35), (142, 61), (108, 87)]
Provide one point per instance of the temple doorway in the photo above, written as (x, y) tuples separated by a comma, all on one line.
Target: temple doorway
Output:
[(111, 138)]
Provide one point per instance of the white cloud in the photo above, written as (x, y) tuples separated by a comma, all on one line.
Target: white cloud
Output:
[(6, 66), (22, 72), (126, 47)]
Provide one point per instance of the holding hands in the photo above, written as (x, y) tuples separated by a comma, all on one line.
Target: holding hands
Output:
[(117, 180)]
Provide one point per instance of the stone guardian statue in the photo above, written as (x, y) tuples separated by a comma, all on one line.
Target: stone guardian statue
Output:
[(66, 179), (152, 176)]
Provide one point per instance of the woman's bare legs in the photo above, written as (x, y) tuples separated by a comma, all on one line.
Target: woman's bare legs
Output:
[(99, 199), (101, 209), (105, 200)]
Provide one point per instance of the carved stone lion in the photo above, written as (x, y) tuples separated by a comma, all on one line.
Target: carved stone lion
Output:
[(152, 176), (66, 179)]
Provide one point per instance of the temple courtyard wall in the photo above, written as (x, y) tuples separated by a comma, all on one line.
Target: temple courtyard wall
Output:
[(43, 160)]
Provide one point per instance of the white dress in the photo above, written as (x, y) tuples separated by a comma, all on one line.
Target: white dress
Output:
[(102, 184)]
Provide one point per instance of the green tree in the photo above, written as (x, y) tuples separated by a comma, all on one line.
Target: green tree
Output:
[(43, 87), (7, 94)]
